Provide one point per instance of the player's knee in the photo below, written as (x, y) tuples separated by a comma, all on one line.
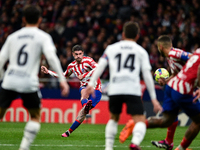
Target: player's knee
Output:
[(35, 114), (115, 117)]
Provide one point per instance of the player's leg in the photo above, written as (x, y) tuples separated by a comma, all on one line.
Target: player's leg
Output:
[(136, 109), (6, 97), (115, 107), (193, 111), (169, 119), (83, 112), (31, 101), (85, 101)]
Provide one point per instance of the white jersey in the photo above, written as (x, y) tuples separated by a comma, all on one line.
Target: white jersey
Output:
[(126, 59), (23, 49)]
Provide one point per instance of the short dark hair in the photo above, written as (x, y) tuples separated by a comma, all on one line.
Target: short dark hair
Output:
[(31, 14), (165, 40), (131, 29), (77, 48)]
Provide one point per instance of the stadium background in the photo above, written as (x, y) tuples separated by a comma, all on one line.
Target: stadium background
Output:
[(96, 24)]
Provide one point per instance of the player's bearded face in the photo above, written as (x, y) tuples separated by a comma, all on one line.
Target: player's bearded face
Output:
[(78, 56)]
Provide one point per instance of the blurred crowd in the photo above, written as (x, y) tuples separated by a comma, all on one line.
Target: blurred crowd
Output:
[(97, 23)]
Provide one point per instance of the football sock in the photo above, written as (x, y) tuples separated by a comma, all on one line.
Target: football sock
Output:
[(83, 102), (185, 143), (170, 132), (111, 131), (180, 147), (30, 132), (138, 133), (74, 126)]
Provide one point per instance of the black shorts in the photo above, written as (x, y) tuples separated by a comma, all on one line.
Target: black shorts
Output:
[(134, 104), (30, 100)]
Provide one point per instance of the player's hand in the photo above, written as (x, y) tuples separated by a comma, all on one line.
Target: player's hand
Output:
[(161, 81), (44, 69), (80, 77), (197, 94), (90, 90), (64, 88), (156, 106)]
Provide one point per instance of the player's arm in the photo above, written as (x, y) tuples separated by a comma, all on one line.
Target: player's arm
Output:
[(185, 56), (4, 53), (197, 92), (148, 79), (163, 81), (103, 62), (67, 73), (49, 51)]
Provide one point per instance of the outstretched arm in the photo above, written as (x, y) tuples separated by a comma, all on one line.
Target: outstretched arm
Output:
[(52, 73), (151, 89)]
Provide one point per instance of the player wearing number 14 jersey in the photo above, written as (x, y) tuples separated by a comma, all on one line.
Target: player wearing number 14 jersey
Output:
[(176, 59), (126, 59)]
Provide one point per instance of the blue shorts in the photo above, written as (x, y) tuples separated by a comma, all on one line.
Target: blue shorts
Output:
[(174, 101), (95, 100)]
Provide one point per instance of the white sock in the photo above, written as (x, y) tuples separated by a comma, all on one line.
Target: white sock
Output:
[(111, 131), (30, 131), (139, 131), (180, 147)]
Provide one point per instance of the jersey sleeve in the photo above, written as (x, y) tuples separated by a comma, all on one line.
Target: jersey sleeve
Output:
[(103, 62), (68, 72), (184, 56), (4, 53), (145, 63), (49, 51), (48, 45)]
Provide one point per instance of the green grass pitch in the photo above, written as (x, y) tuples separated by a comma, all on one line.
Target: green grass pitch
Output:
[(86, 137)]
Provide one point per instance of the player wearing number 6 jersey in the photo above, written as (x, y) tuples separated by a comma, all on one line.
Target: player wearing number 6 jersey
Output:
[(83, 67), (23, 49), (126, 59)]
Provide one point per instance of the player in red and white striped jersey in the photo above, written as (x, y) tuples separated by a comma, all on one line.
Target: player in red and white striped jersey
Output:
[(176, 59), (186, 80), (83, 67), (179, 93), (82, 70)]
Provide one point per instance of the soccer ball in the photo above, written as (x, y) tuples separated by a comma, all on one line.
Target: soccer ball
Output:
[(161, 73)]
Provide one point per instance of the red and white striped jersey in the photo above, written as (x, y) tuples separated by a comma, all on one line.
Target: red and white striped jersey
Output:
[(85, 68), (175, 60), (185, 81)]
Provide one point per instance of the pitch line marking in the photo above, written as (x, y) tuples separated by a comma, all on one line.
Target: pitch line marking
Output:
[(69, 145)]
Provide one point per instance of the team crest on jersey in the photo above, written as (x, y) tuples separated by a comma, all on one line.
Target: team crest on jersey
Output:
[(83, 70)]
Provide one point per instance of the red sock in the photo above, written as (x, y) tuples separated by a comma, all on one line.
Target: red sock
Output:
[(147, 124), (170, 132), (185, 143)]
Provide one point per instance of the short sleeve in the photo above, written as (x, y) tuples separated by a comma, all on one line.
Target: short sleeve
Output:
[(48, 44)]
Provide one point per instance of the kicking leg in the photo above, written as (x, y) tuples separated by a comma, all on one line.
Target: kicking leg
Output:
[(80, 118)]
